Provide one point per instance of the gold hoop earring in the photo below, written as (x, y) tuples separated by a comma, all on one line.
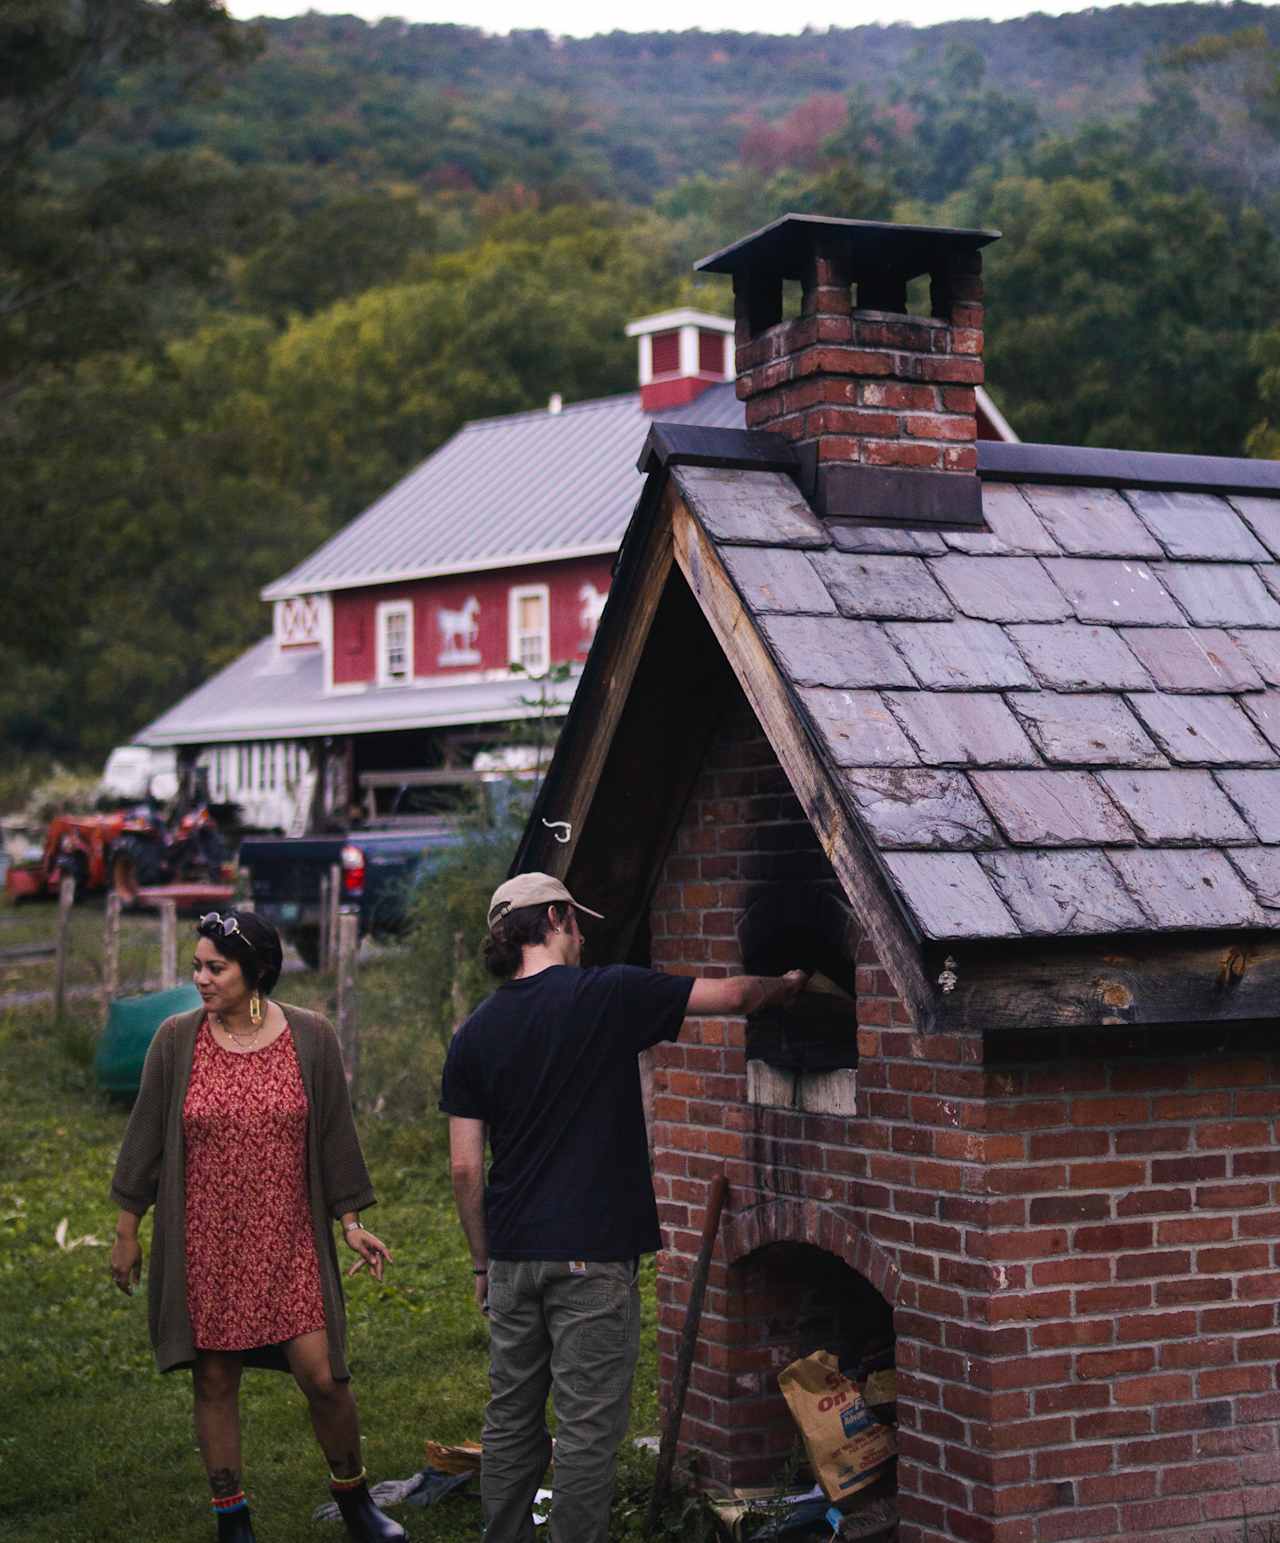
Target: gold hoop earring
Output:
[(255, 1009)]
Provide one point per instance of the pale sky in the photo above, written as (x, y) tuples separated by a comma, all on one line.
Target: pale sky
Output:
[(581, 18)]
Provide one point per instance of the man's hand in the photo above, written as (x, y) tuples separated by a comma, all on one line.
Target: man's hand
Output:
[(792, 984), (482, 1292)]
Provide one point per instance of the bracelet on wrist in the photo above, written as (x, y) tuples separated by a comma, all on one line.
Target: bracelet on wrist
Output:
[(353, 1226), (476, 1271)]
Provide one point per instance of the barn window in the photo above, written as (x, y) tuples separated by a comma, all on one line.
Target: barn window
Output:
[(395, 642), (530, 627)]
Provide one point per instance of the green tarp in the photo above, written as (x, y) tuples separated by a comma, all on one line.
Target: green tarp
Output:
[(131, 1026)]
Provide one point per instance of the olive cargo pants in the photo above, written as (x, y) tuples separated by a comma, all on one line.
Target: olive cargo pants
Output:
[(573, 1330)]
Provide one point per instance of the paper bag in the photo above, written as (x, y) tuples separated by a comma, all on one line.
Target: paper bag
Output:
[(845, 1444)]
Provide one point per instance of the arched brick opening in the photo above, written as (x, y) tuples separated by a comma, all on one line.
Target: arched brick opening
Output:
[(800, 1279)]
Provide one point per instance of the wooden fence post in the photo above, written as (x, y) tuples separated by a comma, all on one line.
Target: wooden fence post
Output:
[(168, 944), (111, 950), (334, 911), (66, 899), (325, 958), (348, 1025)]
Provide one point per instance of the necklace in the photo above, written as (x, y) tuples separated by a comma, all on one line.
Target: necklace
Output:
[(244, 1042)]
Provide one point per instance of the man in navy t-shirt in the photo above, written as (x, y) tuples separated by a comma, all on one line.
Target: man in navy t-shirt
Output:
[(547, 1069)]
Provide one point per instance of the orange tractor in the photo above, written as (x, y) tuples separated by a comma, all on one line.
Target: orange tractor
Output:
[(130, 852)]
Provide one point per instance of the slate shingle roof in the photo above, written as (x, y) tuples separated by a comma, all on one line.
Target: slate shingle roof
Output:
[(1067, 725)]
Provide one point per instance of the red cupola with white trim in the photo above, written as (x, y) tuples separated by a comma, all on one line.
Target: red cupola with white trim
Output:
[(681, 354)]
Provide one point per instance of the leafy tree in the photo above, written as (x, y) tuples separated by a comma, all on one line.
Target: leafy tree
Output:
[(80, 260), (1122, 310)]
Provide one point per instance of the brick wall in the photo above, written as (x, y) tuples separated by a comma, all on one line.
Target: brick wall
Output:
[(1079, 1239)]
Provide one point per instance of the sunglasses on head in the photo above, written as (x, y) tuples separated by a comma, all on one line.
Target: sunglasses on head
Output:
[(229, 926)]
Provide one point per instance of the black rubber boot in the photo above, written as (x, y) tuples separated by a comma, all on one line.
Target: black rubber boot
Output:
[(365, 1522), (236, 1527)]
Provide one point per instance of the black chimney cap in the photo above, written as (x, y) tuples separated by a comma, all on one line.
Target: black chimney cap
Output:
[(782, 248)]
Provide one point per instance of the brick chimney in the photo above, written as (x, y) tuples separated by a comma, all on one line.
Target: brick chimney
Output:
[(879, 403), (681, 354)]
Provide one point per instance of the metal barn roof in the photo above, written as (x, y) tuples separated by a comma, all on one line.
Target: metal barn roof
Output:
[(270, 693), (523, 488)]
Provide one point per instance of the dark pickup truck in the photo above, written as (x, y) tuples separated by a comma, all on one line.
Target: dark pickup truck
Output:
[(378, 870)]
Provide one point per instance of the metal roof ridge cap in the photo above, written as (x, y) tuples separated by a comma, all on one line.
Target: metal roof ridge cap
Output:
[(1094, 466), (694, 444)]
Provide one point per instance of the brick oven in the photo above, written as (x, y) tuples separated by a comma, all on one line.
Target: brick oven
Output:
[(988, 734)]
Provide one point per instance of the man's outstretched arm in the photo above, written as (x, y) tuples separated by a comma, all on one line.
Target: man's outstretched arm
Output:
[(742, 995), (466, 1166)]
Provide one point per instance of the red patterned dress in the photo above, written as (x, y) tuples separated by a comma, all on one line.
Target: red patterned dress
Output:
[(252, 1274)]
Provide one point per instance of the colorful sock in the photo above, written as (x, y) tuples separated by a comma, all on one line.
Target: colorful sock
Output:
[(344, 1486), (224, 1505)]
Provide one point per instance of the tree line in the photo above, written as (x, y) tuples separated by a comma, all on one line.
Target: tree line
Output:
[(249, 276)]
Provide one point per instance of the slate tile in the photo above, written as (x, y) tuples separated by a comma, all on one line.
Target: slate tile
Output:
[(1063, 894), (1256, 794), (1084, 729), (881, 587), (1264, 709), (1196, 525), (905, 808), (1259, 867), (1176, 808), (775, 580), (949, 895), (1092, 522), (1262, 516), (1261, 646), (1007, 589), (751, 507), (835, 651), (1182, 887), (884, 538), (1068, 656), (1052, 808), (959, 655), (1118, 593), (1221, 594), (1192, 658), (1201, 730), (961, 728), (1013, 528), (858, 728)]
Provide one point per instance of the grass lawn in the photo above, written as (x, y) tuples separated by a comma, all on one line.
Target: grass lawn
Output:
[(96, 1447)]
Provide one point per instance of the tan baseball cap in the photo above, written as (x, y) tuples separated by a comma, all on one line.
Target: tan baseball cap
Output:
[(533, 889)]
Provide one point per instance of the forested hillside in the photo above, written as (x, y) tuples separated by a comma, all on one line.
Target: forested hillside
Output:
[(251, 274)]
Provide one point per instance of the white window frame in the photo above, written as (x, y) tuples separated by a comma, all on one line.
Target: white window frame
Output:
[(518, 593), (387, 609)]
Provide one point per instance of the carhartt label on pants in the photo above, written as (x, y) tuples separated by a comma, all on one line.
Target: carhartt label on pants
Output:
[(577, 1267)]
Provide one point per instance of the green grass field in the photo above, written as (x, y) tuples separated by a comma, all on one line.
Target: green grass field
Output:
[(96, 1447)]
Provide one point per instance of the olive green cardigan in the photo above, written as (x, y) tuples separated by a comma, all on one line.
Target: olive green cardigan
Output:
[(151, 1171)]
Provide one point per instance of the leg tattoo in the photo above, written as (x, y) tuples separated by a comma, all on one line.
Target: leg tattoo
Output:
[(224, 1482)]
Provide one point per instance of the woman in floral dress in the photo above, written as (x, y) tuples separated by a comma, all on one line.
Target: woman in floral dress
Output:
[(242, 1138)]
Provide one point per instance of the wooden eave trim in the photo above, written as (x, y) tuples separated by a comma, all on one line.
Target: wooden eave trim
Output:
[(1114, 982), (789, 732)]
